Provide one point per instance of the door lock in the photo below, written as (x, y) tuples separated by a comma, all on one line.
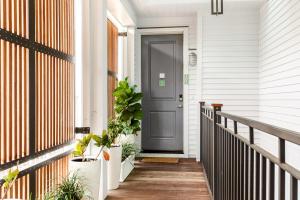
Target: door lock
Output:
[(180, 97)]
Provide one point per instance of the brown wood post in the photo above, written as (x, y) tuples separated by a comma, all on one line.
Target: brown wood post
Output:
[(217, 119), (202, 103)]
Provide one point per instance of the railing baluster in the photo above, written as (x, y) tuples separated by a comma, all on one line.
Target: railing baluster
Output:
[(235, 169), (281, 177), (271, 181), (238, 170), (251, 175), (242, 170), (294, 188), (264, 178), (231, 167), (257, 176), (246, 172)]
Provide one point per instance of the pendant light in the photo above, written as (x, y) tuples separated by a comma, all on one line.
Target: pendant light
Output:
[(216, 7)]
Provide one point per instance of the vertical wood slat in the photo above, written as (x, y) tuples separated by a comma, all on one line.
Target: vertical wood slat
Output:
[(19, 189), (50, 175), (53, 108), (13, 16), (112, 55), (13, 102)]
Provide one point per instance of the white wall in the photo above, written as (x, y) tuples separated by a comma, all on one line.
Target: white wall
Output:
[(279, 88), (191, 22), (228, 56), (229, 69), (280, 63)]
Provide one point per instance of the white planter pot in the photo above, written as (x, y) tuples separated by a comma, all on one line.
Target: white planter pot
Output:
[(126, 167), (114, 167), (90, 173)]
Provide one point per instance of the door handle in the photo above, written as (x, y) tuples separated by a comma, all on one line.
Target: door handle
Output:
[(179, 106)]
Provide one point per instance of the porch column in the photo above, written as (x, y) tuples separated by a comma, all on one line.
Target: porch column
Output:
[(92, 64)]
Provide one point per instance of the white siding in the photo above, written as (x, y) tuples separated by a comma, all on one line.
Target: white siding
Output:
[(279, 52), (280, 63), (230, 62)]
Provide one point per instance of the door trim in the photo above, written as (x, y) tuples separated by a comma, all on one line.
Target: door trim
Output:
[(137, 78)]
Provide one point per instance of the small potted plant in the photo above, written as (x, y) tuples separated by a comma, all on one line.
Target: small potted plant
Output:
[(129, 151), (128, 110), (71, 187), (87, 167)]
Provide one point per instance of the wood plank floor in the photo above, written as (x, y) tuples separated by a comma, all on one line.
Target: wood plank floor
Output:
[(155, 181)]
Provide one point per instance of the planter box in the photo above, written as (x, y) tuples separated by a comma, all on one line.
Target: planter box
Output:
[(126, 167), (90, 172), (114, 166)]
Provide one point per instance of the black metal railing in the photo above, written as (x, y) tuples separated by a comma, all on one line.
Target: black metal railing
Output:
[(236, 167)]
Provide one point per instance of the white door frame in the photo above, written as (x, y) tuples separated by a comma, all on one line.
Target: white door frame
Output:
[(137, 80)]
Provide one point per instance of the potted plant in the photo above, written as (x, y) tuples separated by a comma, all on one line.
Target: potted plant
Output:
[(129, 151), (87, 167), (71, 187), (115, 151), (128, 110)]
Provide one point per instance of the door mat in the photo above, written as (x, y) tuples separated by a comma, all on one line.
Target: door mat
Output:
[(160, 160)]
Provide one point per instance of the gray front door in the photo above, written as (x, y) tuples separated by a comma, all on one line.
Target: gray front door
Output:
[(162, 74)]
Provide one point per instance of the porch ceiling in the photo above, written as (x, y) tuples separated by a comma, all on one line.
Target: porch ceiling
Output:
[(183, 8)]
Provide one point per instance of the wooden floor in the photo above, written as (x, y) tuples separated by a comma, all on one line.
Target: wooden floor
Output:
[(155, 181)]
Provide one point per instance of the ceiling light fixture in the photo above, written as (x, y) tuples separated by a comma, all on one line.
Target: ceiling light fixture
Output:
[(216, 7)]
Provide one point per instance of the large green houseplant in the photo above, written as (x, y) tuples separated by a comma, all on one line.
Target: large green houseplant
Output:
[(128, 107), (127, 121)]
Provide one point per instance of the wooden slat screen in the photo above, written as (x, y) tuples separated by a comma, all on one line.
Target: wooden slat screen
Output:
[(54, 101), (20, 189), (36, 77), (50, 176), (14, 133), (55, 24), (112, 62), (14, 16)]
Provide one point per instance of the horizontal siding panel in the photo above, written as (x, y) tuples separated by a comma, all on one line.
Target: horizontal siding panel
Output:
[(229, 59), (231, 53), (279, 89), (230, 81), (229, 86), (232, 92), (252, 75)]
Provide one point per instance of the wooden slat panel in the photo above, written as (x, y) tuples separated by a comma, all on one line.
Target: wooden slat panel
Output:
[(13, 16), (54, 91), (13, 102), (112, 55), (20, 189), (51, 175), (54, 24)]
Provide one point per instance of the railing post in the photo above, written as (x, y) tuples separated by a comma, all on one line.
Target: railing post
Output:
[(216, 120), (202, 103)]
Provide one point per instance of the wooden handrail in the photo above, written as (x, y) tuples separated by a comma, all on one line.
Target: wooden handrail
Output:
[(282, 133)]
